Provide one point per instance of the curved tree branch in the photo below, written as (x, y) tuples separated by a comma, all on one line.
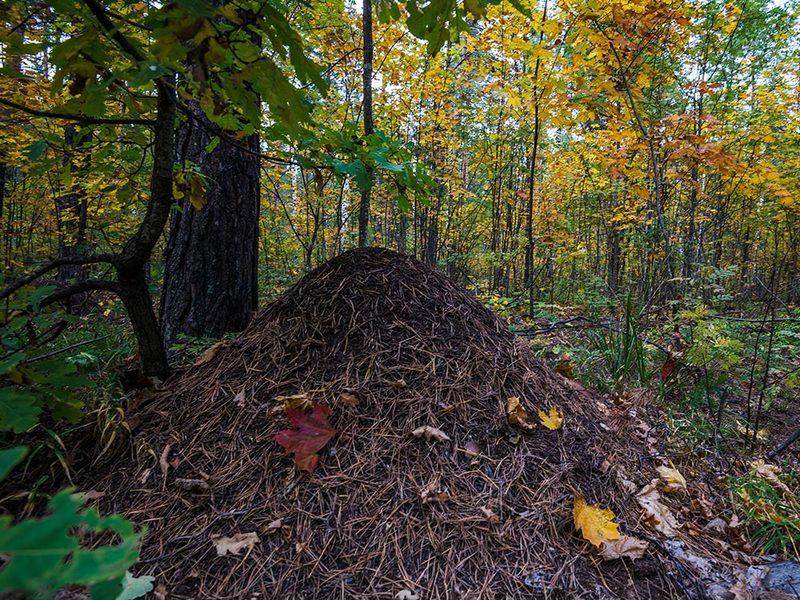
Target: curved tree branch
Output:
[(53, 265), (73, 117)]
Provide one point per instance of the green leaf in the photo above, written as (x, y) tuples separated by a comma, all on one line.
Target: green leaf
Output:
[(10, 458), (39, 294), (10, 362), (36, 149), (135, 587), (19, 410), (44, 555)]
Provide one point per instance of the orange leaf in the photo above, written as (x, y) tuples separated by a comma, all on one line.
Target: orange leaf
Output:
[(310, 435)]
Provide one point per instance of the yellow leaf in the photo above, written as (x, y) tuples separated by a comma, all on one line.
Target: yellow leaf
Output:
[(596, 524), (671, 480), (517, 415), (551, 419)]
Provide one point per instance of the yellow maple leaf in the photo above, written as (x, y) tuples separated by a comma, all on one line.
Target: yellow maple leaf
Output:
[(596, 524), (552, 419)]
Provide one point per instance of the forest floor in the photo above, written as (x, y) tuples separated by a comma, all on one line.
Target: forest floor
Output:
[(673, 419), (726, 413)]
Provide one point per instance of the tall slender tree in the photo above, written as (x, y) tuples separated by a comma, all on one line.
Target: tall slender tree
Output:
[(369, 128)]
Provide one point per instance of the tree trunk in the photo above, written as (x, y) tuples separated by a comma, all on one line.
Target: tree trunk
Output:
[(211, 259), (71, 213), (135, 295), (363, 208)]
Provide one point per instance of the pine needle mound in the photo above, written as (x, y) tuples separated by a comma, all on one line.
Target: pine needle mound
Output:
[(390, 345)]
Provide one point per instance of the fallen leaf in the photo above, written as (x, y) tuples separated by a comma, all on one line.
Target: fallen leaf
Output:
[(596, 524), (310, 435), (625, 547), (490, 515), (236, 543), (743, 430), (667, 368), (239, 399), (163, 463), (299, 401), (517, 415), (472, 448), (564, 367), (771, 473), (671, 480), (92, 495), (274, 526), (406, 595), (552, 419), (192, 485), (349, 399), (432, 494), (431, 434), (210, 353), (656, 514)]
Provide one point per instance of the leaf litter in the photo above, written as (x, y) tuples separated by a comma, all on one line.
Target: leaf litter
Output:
[(384, 343)]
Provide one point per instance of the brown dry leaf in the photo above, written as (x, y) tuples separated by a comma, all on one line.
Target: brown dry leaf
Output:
[(553, 419), (771, 473), (671, 480), (595, 523), (743, 430), (490, 515), (274, 526), (656, 514), (163, 463), (299, 401), (431, 434), (625, 547), (432, 494), (210, 353), (236, 543), (192, 485), (471, 448), (517, 415), (349, 399)]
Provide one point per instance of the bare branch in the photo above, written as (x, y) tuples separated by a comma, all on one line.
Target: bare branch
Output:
[(74, 117), (53, 265)]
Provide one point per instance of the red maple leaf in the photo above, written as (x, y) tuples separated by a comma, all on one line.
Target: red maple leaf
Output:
[(667, 368), (311, 433)]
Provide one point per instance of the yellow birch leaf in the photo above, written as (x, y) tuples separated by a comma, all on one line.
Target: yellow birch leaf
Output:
[(596, 524)]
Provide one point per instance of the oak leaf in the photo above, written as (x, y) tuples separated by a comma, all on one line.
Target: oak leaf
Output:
[(596, 524), (553, 419), (236, 543), (310, 434)]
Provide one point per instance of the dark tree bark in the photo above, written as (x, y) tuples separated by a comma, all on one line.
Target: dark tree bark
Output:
[(71, 212), (211, 261), (366, 75)]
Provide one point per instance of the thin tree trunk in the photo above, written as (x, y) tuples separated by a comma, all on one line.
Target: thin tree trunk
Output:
[(363, 209)]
